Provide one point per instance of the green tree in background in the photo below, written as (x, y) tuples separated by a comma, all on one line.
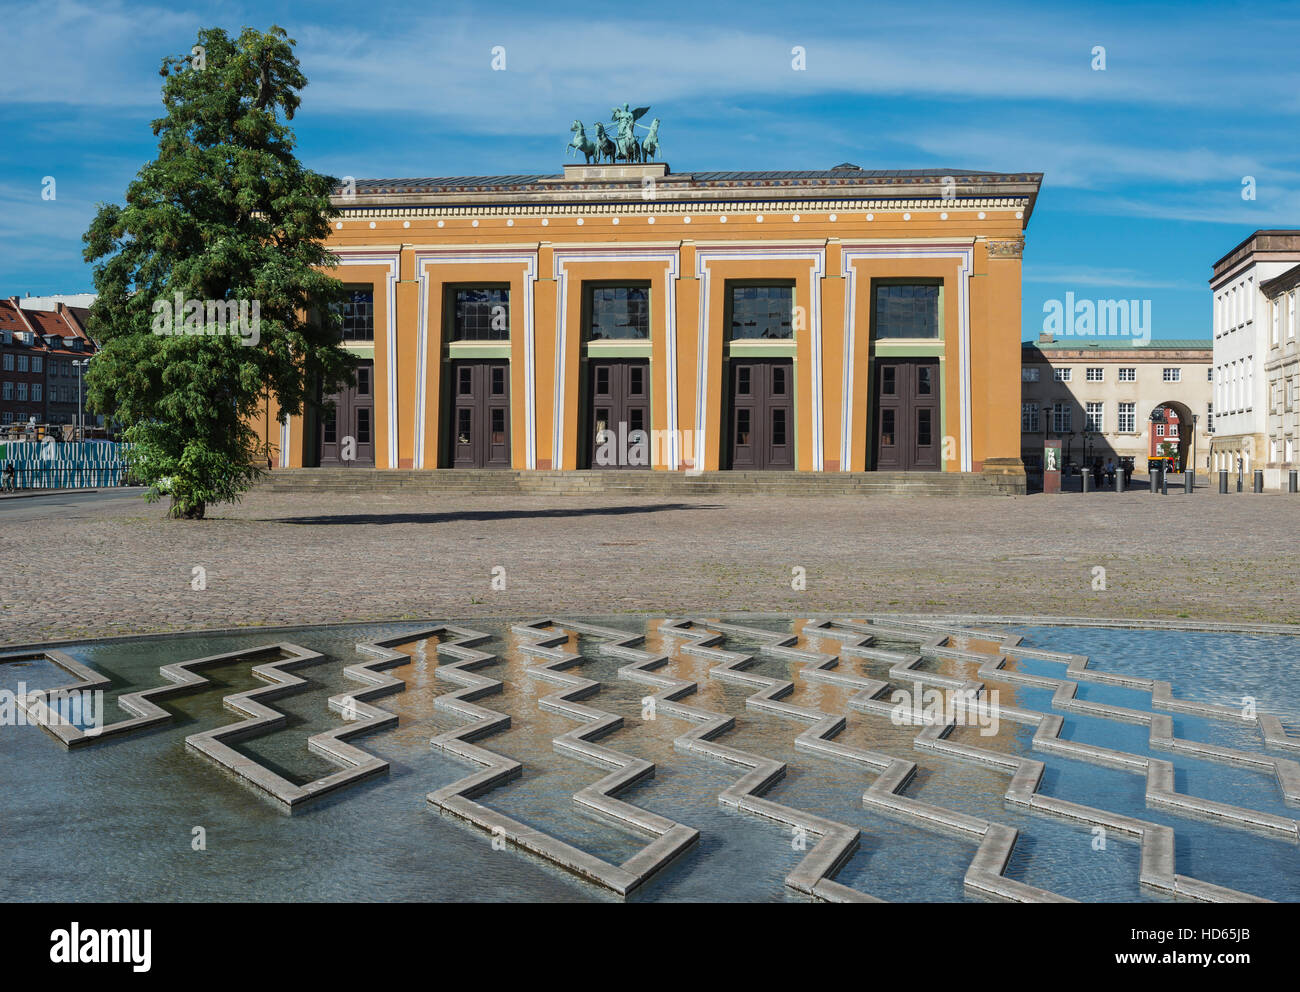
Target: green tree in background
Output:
[(228, 217)]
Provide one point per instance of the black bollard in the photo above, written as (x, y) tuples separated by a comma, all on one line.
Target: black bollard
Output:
[(1189, 481), (1119, 479), (1084, 477), (1223, 481), (1164, 481), (1259, 480), (1293, 481)]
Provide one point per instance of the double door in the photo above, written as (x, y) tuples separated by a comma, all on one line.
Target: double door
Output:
[(479, 414), (618, 417), (346, 432), (906, 415), (761, 403)]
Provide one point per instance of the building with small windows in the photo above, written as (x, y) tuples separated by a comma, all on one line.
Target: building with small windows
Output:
[(1254, 292), (38, 349), (1281, 397), (838, 320), (1114, 398)]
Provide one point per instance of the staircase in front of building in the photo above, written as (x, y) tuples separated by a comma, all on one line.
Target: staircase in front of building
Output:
[(482, 482)]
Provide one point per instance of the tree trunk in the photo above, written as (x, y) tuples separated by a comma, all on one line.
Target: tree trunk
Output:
[(193, 511)]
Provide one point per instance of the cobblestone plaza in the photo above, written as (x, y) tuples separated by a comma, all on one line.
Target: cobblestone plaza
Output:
[(289, 558)]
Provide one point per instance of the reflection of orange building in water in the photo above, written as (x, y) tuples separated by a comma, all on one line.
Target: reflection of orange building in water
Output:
[(820, 321)]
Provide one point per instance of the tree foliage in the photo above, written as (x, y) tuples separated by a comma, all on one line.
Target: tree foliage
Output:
[(225, 213)]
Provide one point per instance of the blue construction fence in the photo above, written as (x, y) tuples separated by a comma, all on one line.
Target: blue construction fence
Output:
[(64, 465)]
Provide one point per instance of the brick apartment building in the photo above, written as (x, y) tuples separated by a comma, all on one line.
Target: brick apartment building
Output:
[(38, 380)]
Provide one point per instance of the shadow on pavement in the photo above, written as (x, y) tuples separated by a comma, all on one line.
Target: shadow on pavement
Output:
[(454, 516)]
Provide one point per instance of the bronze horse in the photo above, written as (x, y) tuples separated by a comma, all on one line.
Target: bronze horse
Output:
[(582, 143)]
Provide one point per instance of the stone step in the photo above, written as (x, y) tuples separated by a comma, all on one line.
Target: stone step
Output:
[(630, 482)]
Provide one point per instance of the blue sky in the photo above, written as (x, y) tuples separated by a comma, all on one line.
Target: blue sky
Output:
[(1144, 161)]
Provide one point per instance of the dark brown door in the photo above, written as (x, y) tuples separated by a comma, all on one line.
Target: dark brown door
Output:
[(619, 403), (907, 415), (347, 432), (762, 413), (480, 414)]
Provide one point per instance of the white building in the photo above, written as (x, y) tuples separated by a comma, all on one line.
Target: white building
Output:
[(1281, 381), (1243, 351), (83, 300), (1097, 396)]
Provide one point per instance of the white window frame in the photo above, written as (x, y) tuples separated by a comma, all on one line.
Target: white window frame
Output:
[(1127, 418), (1094, 417)]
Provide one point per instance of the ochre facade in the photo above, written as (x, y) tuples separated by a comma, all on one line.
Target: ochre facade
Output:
[(688, 240)]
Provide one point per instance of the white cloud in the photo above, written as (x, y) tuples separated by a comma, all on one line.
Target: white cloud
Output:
[(1120, 278)]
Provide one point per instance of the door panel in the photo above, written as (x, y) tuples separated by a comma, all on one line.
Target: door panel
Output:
[(618, 392), (479, 405), (906, 415), (349, 429), (761, 401)]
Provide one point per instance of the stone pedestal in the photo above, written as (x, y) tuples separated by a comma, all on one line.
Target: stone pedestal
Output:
[(1008, 474), (1051, 466)]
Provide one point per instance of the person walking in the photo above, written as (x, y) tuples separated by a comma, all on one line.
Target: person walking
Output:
[(10, 475), (1110, 472), (1096, 473)]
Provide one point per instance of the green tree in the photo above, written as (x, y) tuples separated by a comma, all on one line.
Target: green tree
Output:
[(225, 216)]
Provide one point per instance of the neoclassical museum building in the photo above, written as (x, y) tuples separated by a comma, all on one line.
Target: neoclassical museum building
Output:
[(819, 321)]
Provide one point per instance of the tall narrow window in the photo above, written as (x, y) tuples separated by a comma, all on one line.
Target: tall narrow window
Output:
[(923, 430), (1127, 418), (1094, 417), (778, 426), (742, 427), (1029, 423)]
